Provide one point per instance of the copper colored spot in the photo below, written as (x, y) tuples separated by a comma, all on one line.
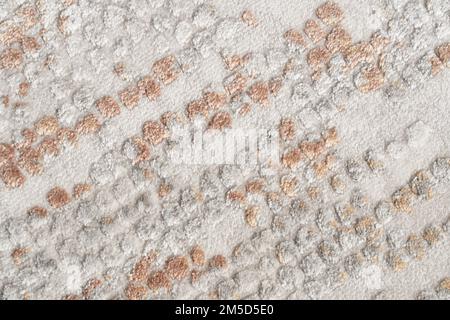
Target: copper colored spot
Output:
[(89, 124), (198, 256), (49, 146), (80, 189), (158, 280), (214, 100), (218, 262), (236, 196), (291, 158), (90, 286), (164, 189), (165, 70), (314, 31), (275, 85), (329, 13), (236, 85), (30, 44), (18, 254), (312, 149), (10, 59), (255, 186), (154, 132), (149, 87), (47, 125), (58, 197), (359, 52), (23, 88), (130, 97), (11, 176), (259, 93), (136, 292), (38, 212), (443, 52), (7, 153), (374, 79), (318, 56), (197, 107), (142, 267), (338, 40), (29, 135), (294, 37), (220, 120), (108, 107), (249, 18), (143, 150), (31, 160), (251, 216), (66, 134), (177, 267), (287, 129)]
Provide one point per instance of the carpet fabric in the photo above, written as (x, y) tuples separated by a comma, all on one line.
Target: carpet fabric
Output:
[(239, 149)]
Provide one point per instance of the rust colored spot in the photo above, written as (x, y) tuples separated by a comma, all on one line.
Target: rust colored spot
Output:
[(236, 196), (143, 150)]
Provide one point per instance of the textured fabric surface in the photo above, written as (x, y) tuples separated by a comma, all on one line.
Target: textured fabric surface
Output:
[(170, 149)]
